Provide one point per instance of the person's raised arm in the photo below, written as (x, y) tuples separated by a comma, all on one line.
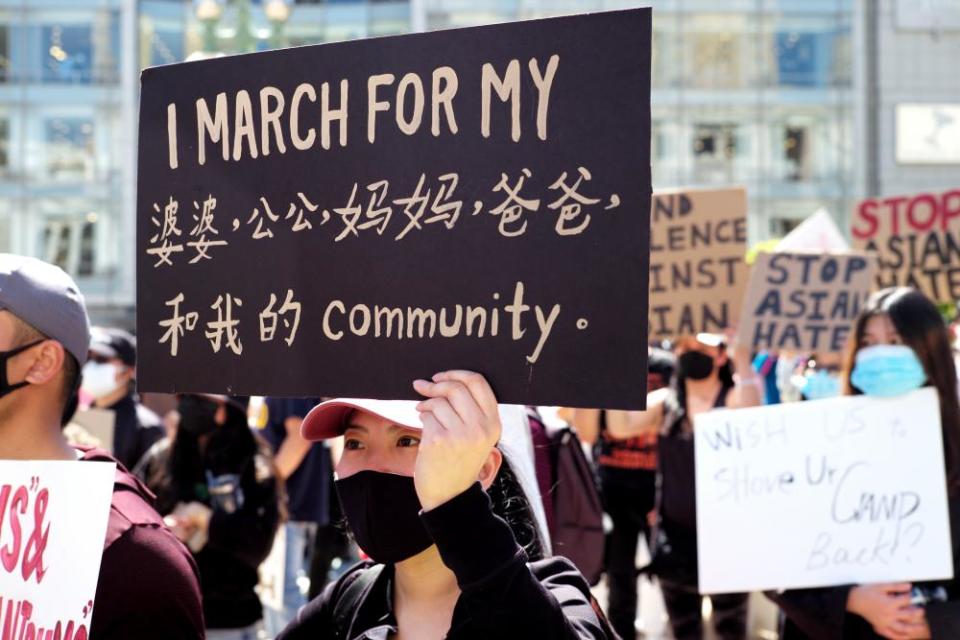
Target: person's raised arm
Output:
[(747, 384), (586, 422), (461, 427), (293, 449), (629, 424)]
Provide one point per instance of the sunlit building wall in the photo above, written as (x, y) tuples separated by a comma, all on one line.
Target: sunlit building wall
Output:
[(66, 125), (911, 133), (778, 95)]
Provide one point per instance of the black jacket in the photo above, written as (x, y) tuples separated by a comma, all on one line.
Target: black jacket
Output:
[(240, 535), (821, 614), (237, 543), (502, 595), (136, 430)]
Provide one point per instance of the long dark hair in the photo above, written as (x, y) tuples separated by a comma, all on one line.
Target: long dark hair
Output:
[(230, 448), (921, 327), (510, 502)]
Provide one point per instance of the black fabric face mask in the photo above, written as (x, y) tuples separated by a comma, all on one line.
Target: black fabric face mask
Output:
[(5, 387), (383, 512), (197, 415), (695, 365)]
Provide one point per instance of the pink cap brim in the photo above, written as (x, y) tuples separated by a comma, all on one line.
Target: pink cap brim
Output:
[(329, 419)]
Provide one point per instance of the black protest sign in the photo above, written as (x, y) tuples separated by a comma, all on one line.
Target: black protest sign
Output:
[(805, 301), (698, 242), (344, 218)]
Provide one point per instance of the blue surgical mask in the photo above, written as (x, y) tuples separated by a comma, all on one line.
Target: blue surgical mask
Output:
[(820, 385), (887, 370)]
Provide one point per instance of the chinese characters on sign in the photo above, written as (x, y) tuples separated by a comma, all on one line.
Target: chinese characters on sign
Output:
[(572, 214)]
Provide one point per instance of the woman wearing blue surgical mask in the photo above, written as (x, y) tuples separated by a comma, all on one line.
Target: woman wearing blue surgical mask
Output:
[(900, 343)]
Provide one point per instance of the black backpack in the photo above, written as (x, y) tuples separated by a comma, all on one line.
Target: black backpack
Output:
[(578, 512)]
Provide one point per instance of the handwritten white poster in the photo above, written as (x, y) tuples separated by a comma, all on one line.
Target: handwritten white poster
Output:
[(840, 491), (53, 522)]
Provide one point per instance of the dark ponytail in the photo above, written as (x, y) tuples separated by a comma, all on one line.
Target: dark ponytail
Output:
[(510, 503)]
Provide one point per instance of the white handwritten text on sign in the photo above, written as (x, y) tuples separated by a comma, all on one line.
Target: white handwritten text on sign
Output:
[(53, 521), (841, 491)]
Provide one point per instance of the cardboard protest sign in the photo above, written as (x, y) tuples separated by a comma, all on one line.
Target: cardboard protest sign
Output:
[(804, 301), (53, 521), (818, 232), (698, 241), (99, 423), (917, 239), (820, 493), (344, 218)]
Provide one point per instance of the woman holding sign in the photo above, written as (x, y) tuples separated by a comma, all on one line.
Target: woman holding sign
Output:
[(704, 381), (900, 343), (432, 500)]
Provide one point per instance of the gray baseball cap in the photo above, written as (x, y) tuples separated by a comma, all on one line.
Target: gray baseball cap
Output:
[(48, 299)]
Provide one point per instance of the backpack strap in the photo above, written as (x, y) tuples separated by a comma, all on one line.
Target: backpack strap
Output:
[(351, 592), (673, 416), (603, 620)]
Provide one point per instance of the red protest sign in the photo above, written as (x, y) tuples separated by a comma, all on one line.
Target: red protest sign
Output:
[(917, 240), (53, 521)]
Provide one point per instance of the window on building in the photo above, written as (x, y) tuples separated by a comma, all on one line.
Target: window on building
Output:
[(796, 58), (714, 148), (843, 58), (779, 227), (166, 46), (6, 206), (4, 52), (716, 60), (69, 244), (69, 147), (658, 141), (69, 53), (82, 52), (795, 153), (714, 142), (4, 145), (813, 51)]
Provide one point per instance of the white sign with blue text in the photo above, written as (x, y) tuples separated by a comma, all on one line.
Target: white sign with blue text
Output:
[(848, 490)]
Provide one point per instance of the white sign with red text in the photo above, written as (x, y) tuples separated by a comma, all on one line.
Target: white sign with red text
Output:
[(53, 523), (848, 490)]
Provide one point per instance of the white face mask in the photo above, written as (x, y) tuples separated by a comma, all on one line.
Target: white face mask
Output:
[(99, 380)]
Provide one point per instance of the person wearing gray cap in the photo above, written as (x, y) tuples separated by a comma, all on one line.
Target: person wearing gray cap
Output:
[(44, 341)]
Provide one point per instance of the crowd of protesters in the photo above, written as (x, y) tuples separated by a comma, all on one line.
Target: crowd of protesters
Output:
[(385, 538)]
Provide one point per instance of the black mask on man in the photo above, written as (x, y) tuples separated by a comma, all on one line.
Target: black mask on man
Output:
[(695, 365), (383, 512), (5, 387)]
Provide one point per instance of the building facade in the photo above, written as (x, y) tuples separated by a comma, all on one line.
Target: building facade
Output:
[(750, 92), (67, 118), (801, 101), (911, 116)]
